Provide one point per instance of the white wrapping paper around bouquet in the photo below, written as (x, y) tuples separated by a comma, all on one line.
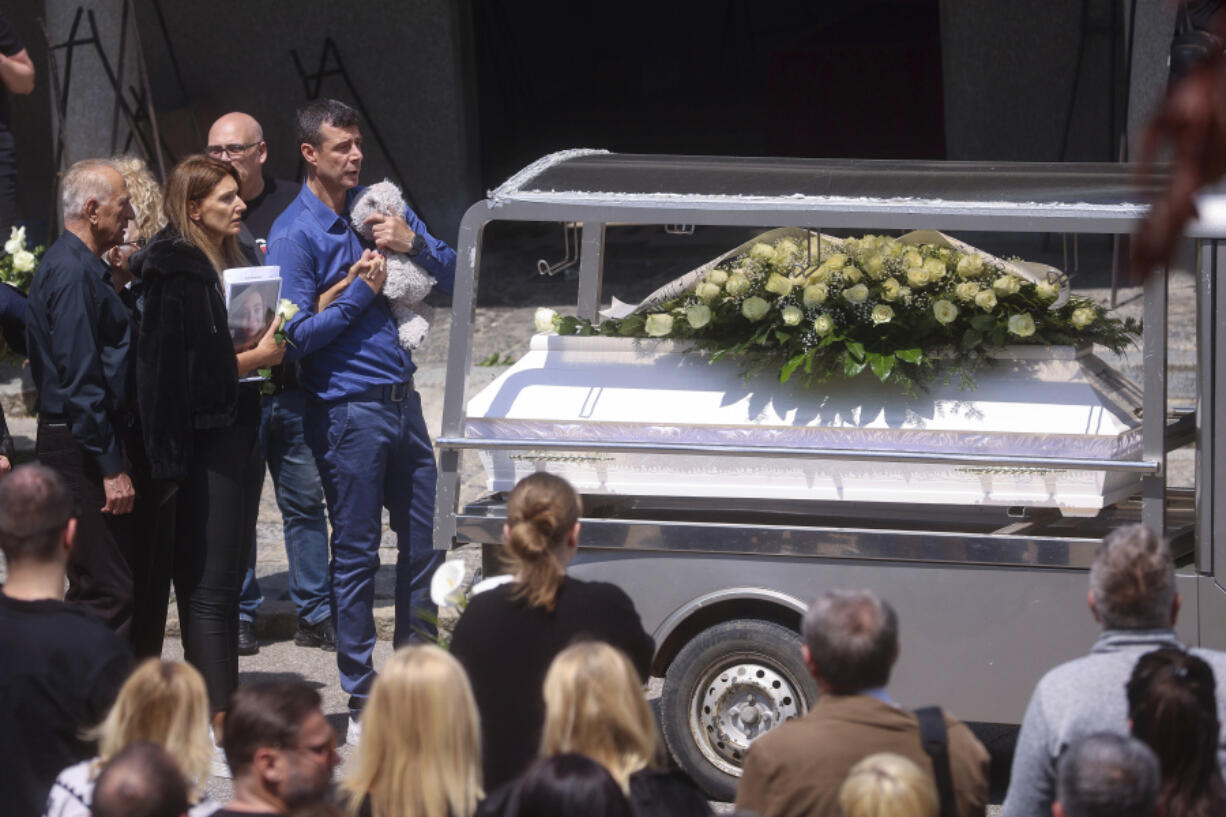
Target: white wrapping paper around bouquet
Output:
[(1033, 401)]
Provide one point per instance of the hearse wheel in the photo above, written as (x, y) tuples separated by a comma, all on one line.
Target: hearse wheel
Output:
[(729, 685)]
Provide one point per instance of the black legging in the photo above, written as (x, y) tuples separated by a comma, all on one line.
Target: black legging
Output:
[(216, 510)]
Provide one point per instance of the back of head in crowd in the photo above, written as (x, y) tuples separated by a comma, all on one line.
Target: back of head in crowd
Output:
[(141, 781), (190, 183), (312, 116), (265, 714), (851, 640), (1107, 775), (146, 194), (1132, 580), (162, 702), (36, 511), (420, 754), (1172, 704), (888, 785), (569, 785), (542, 521), (594, 705)]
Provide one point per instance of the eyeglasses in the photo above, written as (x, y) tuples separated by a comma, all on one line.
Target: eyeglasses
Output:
[(138, 243), (234, 151)]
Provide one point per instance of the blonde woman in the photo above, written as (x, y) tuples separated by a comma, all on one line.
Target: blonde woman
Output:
[(420, 752), (594, 706), (888, 785), (508, 636), (164, 702)]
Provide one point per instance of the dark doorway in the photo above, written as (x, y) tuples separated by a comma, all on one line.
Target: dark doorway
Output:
[(723, 77)]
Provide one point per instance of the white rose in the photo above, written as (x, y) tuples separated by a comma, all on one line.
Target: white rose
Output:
[(659, 325), (755, 308), (966, 291), (912, 258), (856, 295), (882, 314), (1021, 325), (986, 300), (286, 309), (815, 294), (762, 252), (851, 274), (707, 291), (1083, 317), (874, 265), (16, 242), (890, 289), (779, 284), (945, 311), (23, 261), (791, 315), (737, 284), (698, 315), (786, 252), (717, 277), (544, 319), (936, 268), (970, 266), (822, 325), (918, 277), (1007, 285), (1047, 290)]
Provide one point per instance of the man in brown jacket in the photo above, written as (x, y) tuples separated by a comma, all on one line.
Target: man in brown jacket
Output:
[(851, 644)]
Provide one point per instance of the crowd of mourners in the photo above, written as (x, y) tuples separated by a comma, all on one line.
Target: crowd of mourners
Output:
[(154, 431)]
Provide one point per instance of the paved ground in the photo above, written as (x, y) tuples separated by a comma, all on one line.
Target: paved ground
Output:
[(511, 289)]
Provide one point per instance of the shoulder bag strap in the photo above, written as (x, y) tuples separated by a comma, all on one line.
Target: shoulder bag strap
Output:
[(936, 745)]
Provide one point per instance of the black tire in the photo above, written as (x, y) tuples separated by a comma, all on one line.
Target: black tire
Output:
[(719, 672)]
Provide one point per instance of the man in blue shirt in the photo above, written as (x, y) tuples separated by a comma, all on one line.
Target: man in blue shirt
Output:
[(363, 422)]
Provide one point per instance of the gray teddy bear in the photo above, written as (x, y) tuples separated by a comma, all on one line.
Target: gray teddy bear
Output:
[(407, 284)]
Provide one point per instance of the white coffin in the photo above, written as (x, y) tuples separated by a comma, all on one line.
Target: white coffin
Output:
[(1034, 401)]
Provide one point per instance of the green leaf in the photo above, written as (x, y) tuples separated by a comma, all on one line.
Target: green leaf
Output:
[(565, 324), (909, 355), (851, 366), (855, 349), (782, 337), (970, 340), (983, 323), (882, 365), (809, 355), (786, 371)]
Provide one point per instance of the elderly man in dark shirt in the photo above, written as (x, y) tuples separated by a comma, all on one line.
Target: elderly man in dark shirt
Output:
[(79, 337)]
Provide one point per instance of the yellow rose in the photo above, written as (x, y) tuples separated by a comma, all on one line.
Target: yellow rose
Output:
[(717, 277), (698, 315), (755, 308), (918, 277), (882, 314), (1083, 317), (970, 266), (890, 289), (815, 294), (935, 268), (823, 325), (791, 315), (779, 284), (659, 325), (737, 284), (707, 292), (986, 300), (944, 311), (856, 295), (1021, 325)]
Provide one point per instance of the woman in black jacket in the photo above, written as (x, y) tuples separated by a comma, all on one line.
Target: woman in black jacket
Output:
[(200, 425), (508, 636)]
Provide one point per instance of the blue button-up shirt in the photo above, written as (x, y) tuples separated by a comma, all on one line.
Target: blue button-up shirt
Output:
[(352, 345)]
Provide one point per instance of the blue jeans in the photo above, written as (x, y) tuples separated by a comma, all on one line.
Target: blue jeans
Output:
[(301, 500), (374, 455)]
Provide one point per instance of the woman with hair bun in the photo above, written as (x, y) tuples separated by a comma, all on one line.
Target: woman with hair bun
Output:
[(508, 636), (1172, 706)]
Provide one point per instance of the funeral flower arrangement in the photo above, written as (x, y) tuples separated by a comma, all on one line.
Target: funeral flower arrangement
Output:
[(18, 263), (819, 308)]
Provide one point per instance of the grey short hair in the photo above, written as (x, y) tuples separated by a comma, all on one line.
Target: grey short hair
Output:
[(83, 181), (1108, 775), (1133, 580), (852, 636)]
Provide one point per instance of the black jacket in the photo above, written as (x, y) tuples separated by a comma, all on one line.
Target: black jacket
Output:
[(186, 370)]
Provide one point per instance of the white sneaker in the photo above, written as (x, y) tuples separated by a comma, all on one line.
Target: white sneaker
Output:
[(218, 767), (353, 736)]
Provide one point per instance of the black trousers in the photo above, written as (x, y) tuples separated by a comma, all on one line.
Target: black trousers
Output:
[(120, 565), (215, 511)]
